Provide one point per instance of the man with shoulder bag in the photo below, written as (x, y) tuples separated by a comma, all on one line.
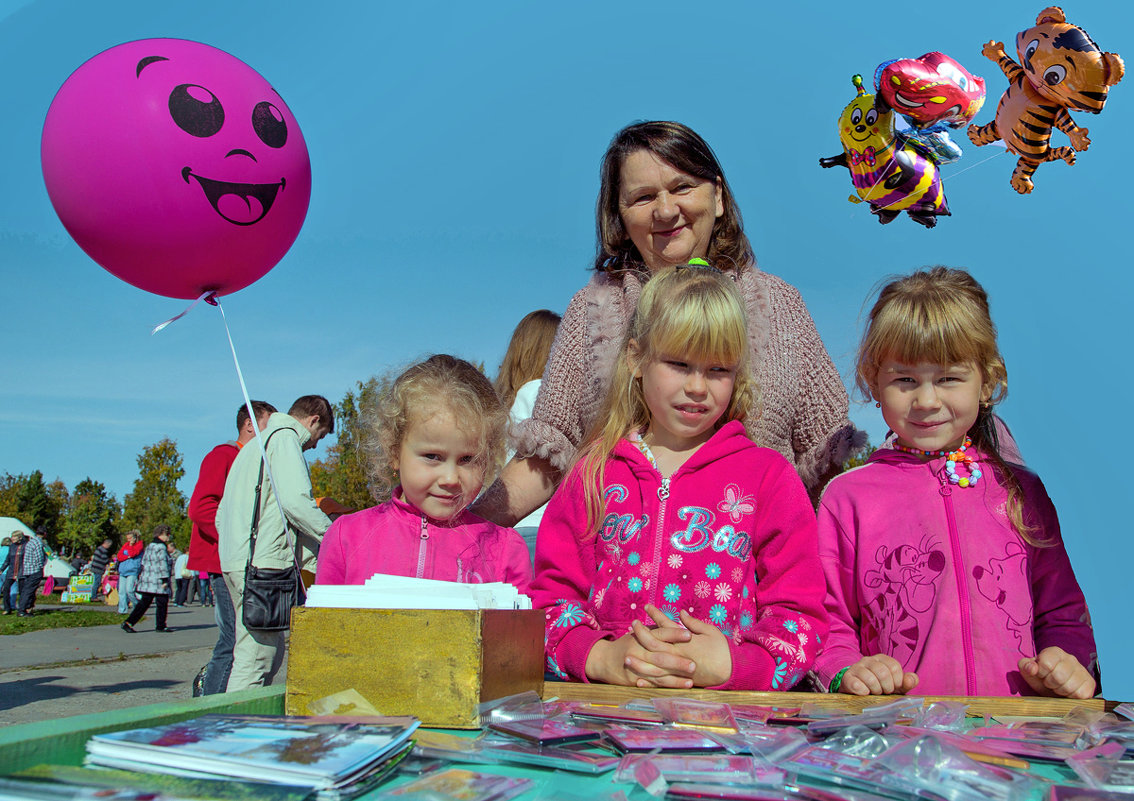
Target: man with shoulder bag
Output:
[(269, 527)]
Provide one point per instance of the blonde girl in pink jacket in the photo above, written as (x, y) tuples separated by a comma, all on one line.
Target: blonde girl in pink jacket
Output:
[(946, 573), (436, 433)]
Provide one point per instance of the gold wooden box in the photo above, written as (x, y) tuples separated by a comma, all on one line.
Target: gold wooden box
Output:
[(437, 665)]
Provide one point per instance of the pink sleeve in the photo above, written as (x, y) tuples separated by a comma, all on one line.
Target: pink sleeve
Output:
[(837, 557), (331, 567), (566, 565), (1060, 615), (517, 562), (780, 649)]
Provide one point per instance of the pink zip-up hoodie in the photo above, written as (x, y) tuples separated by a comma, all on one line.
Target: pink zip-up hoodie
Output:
[(935, 576), (729, 537), (396, 539)]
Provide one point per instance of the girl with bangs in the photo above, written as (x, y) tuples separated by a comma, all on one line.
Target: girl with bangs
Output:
[(677, 553), (945, 567)]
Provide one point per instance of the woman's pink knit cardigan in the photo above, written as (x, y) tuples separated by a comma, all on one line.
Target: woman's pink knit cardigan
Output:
[(802, 404)]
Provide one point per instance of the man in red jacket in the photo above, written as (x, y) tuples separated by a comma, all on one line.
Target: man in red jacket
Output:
[(203, 544)]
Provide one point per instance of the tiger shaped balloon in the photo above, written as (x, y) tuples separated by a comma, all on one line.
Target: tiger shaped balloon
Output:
[(1061, 70)]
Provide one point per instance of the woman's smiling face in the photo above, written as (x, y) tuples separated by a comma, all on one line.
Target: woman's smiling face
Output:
[(668, 214)]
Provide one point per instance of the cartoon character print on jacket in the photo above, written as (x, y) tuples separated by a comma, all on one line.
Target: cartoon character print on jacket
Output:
[(907, 581), (1061, 69), (998, 573)]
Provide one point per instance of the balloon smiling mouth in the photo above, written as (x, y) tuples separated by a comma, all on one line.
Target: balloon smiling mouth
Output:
[(239, 204)]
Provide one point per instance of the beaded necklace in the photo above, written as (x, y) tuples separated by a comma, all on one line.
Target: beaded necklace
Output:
[(951, 459)]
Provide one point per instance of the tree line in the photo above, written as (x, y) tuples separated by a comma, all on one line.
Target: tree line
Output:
[(76, 521)]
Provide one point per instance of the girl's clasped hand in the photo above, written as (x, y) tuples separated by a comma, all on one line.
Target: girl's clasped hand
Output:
[(693, 654)]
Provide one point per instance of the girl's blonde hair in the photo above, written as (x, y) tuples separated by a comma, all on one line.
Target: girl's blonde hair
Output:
[(527, 354), (941, 316), (441, 383), (687, 312)]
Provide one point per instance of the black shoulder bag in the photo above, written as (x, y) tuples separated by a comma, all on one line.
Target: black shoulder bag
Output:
[(269, 594)]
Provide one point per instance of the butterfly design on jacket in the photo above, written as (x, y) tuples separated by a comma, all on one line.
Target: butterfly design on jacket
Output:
[(735, 505)]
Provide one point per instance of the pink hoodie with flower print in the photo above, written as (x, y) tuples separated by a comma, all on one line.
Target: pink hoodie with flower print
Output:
[(729, 537)]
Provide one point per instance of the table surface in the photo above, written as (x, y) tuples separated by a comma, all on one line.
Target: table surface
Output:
[(63, 741)]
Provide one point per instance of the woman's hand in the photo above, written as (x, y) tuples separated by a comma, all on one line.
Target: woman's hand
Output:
[(877, 675), (523, 486), (1054, 672)]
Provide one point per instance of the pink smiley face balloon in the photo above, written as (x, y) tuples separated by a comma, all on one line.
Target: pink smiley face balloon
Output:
[(176, 167)]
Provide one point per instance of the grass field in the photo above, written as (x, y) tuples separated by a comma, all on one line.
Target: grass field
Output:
[(65, 617)]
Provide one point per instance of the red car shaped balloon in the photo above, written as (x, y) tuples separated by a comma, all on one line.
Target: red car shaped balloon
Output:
[(930, 90)]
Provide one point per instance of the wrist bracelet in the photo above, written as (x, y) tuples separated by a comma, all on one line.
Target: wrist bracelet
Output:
[(838, 680)]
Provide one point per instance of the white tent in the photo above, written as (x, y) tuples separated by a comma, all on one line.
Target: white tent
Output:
[(11, 524), (54, 566)]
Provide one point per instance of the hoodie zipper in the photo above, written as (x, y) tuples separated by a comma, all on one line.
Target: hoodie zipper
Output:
[(659, 536), (959, 574), (421, 548)]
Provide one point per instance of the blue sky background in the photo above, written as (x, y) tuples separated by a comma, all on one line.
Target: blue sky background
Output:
[(455, 152)]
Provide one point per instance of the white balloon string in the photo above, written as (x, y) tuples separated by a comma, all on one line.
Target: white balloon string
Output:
[(943, 178), (259, 436), (205, 296)]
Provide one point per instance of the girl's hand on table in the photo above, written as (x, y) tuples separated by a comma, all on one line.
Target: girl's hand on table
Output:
[(700, 645), (626, 661), (1054, 672), (877, 675)]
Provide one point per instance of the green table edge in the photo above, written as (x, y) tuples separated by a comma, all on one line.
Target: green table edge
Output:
[(63, 741)]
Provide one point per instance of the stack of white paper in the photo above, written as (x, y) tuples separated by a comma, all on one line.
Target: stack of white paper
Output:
[(402, 592)]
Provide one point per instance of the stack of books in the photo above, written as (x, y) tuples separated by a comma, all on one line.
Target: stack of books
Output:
[(338, 758), (402, 592)]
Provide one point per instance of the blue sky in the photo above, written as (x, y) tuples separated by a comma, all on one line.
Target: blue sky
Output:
[(455, 152)]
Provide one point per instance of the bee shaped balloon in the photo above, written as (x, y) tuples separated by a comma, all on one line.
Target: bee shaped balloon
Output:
[(889, 173), (1061, 69)]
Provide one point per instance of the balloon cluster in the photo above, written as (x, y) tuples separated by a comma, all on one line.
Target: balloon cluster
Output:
[(895, 170)]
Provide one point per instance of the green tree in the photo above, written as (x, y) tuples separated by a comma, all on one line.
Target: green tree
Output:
[(91, 516), (39, 505), (156, 498), (9, 489), (342, 474)]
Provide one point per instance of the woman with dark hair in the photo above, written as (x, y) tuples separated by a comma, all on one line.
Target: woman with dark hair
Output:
[(664, 200), (153, 581)]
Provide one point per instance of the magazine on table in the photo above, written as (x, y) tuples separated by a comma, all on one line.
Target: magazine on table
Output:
[(320, 753)]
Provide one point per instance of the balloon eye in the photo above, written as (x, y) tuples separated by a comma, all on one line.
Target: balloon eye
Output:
[(1031, 49), (856, 116), (196, 110), (871, 117), (269, 124), (1054, 75)]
